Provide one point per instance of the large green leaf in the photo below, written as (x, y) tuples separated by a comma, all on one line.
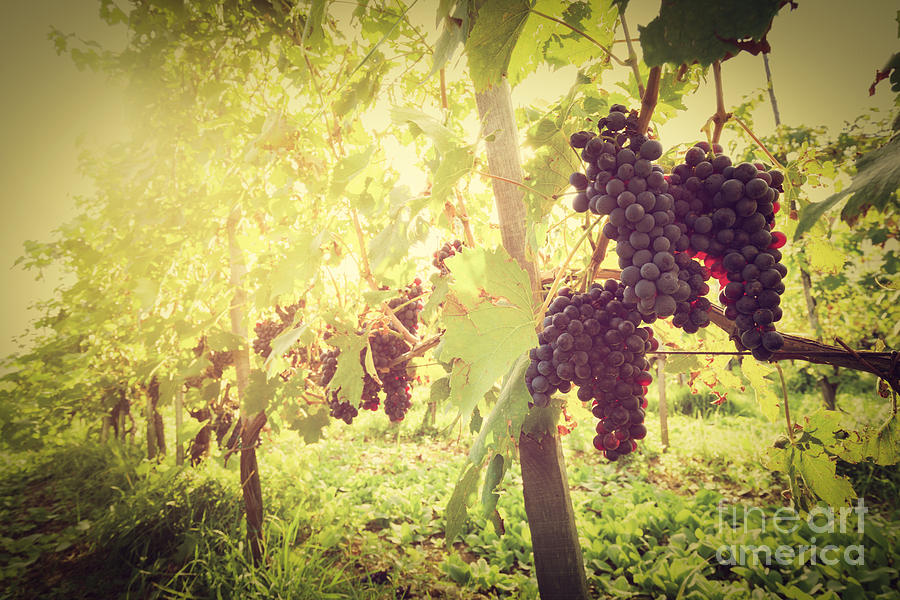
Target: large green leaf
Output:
[(875, 185), (492, 39), (704, 31), (457, 506), (489, 322), (258, 394), (349, 374)]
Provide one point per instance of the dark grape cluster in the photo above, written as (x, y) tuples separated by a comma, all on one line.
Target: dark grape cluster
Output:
[(729, 211), (329, 366), (220, 361), (386, 346), (341, 409), (446, 251), (593, 341), (407, 305), (397, 395), (268, 329), (622, 181)]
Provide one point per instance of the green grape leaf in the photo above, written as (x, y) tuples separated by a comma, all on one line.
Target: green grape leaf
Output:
[(823, 425), (312, 29), (444, 139), (704, 31), (881, 445), (493, 38), (875, 185), (458, 506), (348, 169), (818, 472), (436, 299), (452, 35), (502, 425), (281, 344), (767, 397), (492, 478), (310, 425), (258, 394), (440, 390), (349, 374), (812, 212), (489, 322)]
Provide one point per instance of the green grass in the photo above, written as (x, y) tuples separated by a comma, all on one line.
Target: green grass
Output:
[(359, 515)]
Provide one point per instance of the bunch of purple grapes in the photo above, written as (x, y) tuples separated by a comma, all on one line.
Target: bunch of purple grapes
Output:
[(408, 305), (593, 341), (446, 251), (729, 211), (621, 180)]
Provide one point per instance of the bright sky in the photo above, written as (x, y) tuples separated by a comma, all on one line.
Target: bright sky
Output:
[(824, 58)]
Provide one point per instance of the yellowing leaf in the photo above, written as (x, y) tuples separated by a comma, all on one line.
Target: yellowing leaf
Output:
[(766, 396)]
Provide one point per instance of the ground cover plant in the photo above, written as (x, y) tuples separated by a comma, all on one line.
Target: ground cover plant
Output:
[(344, 321)]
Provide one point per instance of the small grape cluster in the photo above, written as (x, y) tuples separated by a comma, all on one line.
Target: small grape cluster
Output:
[(341, 409), (623, 182), (219, 359), (730, 212), (593, 341), (446, 251), (329, 366), (268, 329), (407, 305)]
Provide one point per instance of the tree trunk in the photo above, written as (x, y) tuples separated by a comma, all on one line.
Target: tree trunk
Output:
[(250, 484), (559, 565)]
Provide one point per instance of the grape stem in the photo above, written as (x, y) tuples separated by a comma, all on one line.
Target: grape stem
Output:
[(720, 117), (787, 406), (632, 55), (559, 275), (518, 183), (584, 35), (463, 215), (367, 275), (758, 142), (649, 99)]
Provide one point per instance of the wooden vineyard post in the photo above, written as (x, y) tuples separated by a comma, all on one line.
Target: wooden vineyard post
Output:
[(559, 565), (663, 404), (179, 409)]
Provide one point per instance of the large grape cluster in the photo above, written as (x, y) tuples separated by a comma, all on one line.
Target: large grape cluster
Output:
[(444, 252), (730, 212), (593, 341), (621, 180)]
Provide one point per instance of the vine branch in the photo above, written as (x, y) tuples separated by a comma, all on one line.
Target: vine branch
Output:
[(721, 115), (649, 99), (787, 405), (518, 183), (370, 279)]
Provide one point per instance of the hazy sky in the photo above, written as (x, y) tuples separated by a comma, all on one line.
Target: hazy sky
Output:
[(824, 58)]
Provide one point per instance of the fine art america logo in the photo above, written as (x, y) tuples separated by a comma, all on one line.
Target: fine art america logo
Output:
[(820, 520)]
